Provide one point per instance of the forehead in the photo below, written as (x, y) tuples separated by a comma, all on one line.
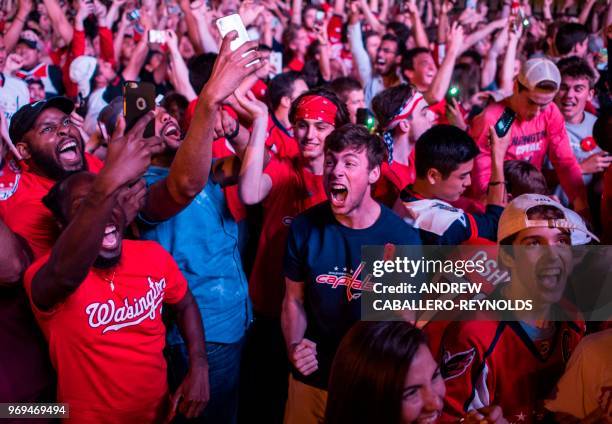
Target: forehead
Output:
[(348, 151), (423, 57), (50, 114), (422, 366), (568, 80), (540, 232), (355, 94), (314, 122), (388, 44), (541, 97)]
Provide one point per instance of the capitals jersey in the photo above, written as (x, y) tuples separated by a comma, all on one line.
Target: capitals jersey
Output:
[(50, 75), (492, 362), (439, 223)]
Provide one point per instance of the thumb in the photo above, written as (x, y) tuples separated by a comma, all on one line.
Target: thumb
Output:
[(119, 128)]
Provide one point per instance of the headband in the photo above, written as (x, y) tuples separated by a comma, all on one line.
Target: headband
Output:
[(318, 108), (404, 112)]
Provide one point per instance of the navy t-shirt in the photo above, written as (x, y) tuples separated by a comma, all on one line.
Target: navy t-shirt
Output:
[(324, 254)]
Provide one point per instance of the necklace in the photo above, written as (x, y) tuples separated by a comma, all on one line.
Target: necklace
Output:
[(110, 281)]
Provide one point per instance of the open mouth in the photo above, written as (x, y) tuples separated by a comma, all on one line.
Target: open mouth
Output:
[(428, 418), (380, 62), (69, 150), (568, 104), (549, 278), (111, 237), (338, 193)]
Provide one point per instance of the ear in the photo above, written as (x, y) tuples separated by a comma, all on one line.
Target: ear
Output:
[(591, 94), (24, 150), (404, 126), (433, 176), (409, 74), (374, 174), (285, 102)]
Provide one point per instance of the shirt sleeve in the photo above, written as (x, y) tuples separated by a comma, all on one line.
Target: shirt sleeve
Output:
[(481, 173), (107, 50), (486, 224), (176, 284), (561, 155), (364, 67)]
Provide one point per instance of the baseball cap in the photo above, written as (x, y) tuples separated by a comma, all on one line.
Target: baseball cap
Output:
[(30, 39), (538, 70), (514, 219), (23, 120), (81, 71)]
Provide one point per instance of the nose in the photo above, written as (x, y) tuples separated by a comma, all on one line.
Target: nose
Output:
[(432, 401), (468, 181), (311, 132)]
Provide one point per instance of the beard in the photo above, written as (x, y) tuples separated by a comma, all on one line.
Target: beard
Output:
[(105, 263), (51, 167)]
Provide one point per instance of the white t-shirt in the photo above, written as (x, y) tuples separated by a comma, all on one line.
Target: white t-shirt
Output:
[(14, 93), (587, 382)]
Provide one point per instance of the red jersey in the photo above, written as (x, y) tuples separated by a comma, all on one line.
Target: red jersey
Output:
[(280, 141), (106, 344), (490, 362), (531, 141), (294, 189), (24, 213), (393, 179)]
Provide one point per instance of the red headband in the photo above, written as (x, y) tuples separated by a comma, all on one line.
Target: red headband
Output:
[(318, 108)]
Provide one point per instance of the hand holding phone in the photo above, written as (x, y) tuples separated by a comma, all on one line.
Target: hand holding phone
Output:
[(138, 100), (502, 126)]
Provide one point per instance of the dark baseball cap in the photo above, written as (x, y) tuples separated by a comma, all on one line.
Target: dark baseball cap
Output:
[(23, 120)]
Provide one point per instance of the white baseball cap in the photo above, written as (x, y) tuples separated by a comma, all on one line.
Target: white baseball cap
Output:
[(82, 69), (514, 219), (537, 70)]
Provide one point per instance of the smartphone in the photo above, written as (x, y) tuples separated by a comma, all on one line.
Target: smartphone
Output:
[(156, 36), (366, 117), (231, 23), (138, 100), (471, 4), (320, 16), (452, 93), (502, 126), (276, 63), (134, 15), (602, 59)]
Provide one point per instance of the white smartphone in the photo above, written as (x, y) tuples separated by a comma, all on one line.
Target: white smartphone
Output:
[(231, 23), (276, 63), (320, 16), (471, 4), (156, 36)]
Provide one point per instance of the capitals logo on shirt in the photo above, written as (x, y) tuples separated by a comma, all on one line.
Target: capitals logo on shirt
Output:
[(345, 276), (113, 317), (456, 364)]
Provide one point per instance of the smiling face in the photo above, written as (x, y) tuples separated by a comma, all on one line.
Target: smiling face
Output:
[(168, 129), (53, 145), (386, 57), (572, 98), (301, 42), (347, 178), (424, 389), (77, 190), (310, 135), (424, 71), (30, 56), (372, 44)]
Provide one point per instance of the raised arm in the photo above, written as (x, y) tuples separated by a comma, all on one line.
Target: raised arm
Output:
[(360, 55), (296, 12), (253, 184), (191, 165), (586, 10), (507, 73), (200, 14), (420, 36), (178, 72), (139, 55), (59, 20), (79, 244), (11, 36), (476, 36), (441, 82), (370, 18), (489, 68)]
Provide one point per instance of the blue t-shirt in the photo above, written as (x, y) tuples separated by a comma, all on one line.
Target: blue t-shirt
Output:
[(322, 253), (203, 240)]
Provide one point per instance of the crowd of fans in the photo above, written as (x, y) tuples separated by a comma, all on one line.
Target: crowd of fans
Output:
[(339, 125)]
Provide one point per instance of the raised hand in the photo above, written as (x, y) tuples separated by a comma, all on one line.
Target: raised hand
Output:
[(13, 63), (249, 11), (455, 38), (231, 68), (255, 108)]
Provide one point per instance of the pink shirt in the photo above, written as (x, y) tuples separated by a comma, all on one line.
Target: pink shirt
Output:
[(531, 141)]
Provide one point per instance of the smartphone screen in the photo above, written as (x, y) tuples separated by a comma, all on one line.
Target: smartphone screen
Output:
[(502, 126), (157, 37), (138, 100)]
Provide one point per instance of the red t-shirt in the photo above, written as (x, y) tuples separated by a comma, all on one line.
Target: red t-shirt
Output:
[(280, 141), (106, 345), (393, 179), (294, 189), (25, 214)]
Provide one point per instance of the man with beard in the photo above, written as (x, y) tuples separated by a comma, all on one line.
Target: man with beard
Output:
[(98, 299), (51, 147), (205, 238), (287, 186), (488, 354), (325, 242)]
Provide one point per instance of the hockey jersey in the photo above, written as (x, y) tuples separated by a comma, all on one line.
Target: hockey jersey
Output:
[(496, 362)]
